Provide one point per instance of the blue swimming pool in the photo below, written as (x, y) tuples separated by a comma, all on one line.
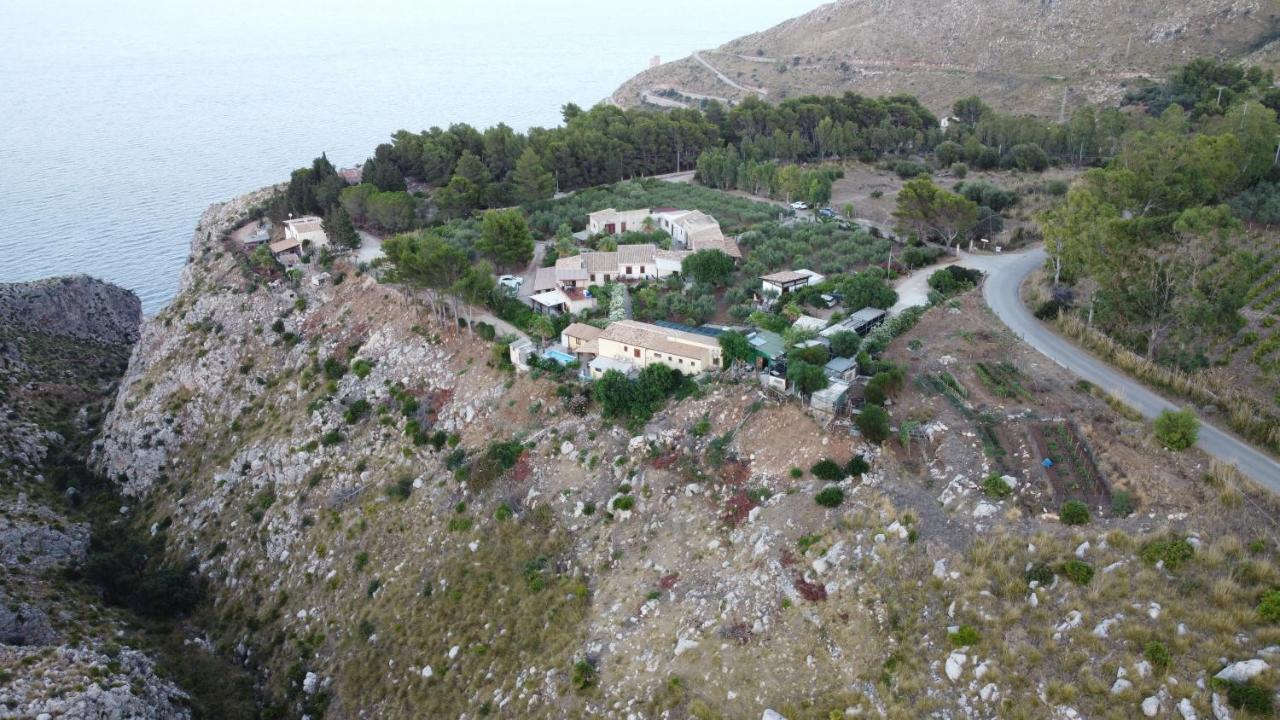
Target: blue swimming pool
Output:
[(561, 357)]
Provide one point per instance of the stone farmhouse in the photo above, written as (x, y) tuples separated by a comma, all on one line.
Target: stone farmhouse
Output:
[(629, 346)]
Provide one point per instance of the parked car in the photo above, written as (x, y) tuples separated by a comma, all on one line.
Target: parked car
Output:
[(511, 282), (827, 212), (799, 205)]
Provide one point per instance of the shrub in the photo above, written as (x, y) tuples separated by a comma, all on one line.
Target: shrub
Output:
[(873, 423), (356, 411), (830, 497), (965, 636), (857, 466), (361, 368), (1040, 572), (1157, 654), (1269, 606), (624, 503), (797, 473), (828, 469), (1173, 552), (1247, 696), (584, 674), (1122, 504), (1078, 571), (996, 487), (333, 437), (333, 369), (401, 488), (1177, 430), (1074, 512)]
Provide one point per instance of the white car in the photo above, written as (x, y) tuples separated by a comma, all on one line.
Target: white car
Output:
[(799, 205), (512, 282)]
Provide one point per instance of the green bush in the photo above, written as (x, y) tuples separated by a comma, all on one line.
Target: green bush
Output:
[(828, 469), (624, 502), (830, 497), (1177, 430), (1040, 572), (1122, 504), (401, 488), (965, 636), (1078, 571), (1158, 655), (1269, 606), (333, 437), (1074, 512), (584, 674), (857, 466), (796, 473), (333, 369), (1173, 552), (873, 423), (361, 368), (1247, 696), (996, 487)]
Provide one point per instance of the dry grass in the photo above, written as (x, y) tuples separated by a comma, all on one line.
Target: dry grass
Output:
[(1214, 386)]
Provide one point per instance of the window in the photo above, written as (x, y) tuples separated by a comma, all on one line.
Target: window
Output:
[(593, 277), (628, 269), (637, 352)]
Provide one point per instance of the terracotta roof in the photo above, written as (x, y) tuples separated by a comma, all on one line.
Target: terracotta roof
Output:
[(673, 255), (784, 277), (544, 279), (636, 254), (600, 262), (582, 331), (570, 268), (663, 340), (728, 246), (280, 246)]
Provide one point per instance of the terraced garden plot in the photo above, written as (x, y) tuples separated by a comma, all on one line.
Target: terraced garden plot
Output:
[(1073, 475)]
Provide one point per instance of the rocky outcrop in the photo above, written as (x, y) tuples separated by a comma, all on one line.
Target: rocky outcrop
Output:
[(82, 683), (76, 306)]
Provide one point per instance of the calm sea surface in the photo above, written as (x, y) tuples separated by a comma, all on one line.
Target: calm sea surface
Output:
[(119, 125)]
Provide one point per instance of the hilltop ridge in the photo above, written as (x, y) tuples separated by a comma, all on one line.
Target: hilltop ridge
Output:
[(1018, 56)]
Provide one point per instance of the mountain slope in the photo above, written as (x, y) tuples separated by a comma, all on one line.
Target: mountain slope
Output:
[(1018, 55)]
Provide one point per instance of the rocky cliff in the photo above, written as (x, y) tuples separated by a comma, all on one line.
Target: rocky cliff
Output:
[(63, 344), (1019, 56), (393, 524)]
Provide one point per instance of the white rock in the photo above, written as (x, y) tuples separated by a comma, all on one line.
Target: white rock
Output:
[(771, 715), (955, 664), (1151, 706), (1120, 685), (1082, 548), (985, 509), (940, 569), (1187, 710), (453, 652), (566, 448), (684, 645), (309, 683), (1242, 671), (989, 693), (428, 672), (879, 538), (1144, 669), (1153, 611), (1033, 599), (820, 566), (1220, 710)]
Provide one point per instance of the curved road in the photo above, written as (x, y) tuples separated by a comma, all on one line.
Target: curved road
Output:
[(1005, 274)]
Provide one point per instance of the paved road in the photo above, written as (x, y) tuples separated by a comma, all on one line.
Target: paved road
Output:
[(728, 80), (1005, 274)]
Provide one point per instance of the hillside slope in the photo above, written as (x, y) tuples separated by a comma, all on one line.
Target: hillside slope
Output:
[(1020, 56), (341, 466), (64, 342)]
